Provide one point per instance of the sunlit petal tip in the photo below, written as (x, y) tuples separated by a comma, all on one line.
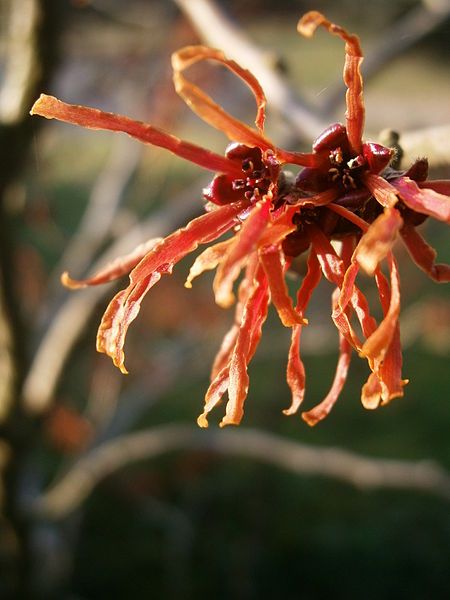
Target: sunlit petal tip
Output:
[(368, 264), (35, 108), (308, 24), (225, 300), (70, 283), (229, 421), (42, 104), (375, 393), (122, 369), (310, 419), (290, 411), (291, 319), (371, 402), (118, 361), (365, 353), (202, 421), (207, 260)]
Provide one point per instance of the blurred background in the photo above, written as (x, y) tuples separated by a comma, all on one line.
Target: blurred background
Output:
[(108, 488)]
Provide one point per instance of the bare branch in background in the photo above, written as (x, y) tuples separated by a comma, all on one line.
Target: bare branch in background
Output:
[(363, 472), (432, 142), (405, 33), (110, 186), (121, 17), (22, 68), (218, 31), (102, 207)]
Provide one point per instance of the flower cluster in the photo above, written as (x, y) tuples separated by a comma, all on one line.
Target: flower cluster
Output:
[(346, 191)]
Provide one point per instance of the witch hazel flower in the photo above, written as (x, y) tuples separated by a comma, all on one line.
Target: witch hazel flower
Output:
[(345, 192)]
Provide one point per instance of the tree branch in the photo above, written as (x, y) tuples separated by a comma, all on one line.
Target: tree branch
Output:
[(432, 142), (360, 471)]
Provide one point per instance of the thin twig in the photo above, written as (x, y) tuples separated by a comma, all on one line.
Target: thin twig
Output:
[(363, 472)]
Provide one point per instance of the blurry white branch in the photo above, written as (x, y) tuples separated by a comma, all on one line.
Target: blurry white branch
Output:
[(367, 473), (105, 198), (22, 67), (218, 31), (432, 142)]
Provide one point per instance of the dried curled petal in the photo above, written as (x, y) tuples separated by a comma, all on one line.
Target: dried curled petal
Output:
[(377, 242), (385, 193), (322, 410), (424, 255), (334, 270), (423, 200), (215, 115), (295, 372), (207, 260), (207, 109), (233, 376), (124, 307), (245, 288), (274, 264), (92, 118), (385, 382), (121, 311), (117, 268), (243, 244), (378, 342), (352, 73)]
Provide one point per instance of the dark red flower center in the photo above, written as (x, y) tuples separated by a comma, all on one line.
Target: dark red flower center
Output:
[(260, 171), (342, 170)]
